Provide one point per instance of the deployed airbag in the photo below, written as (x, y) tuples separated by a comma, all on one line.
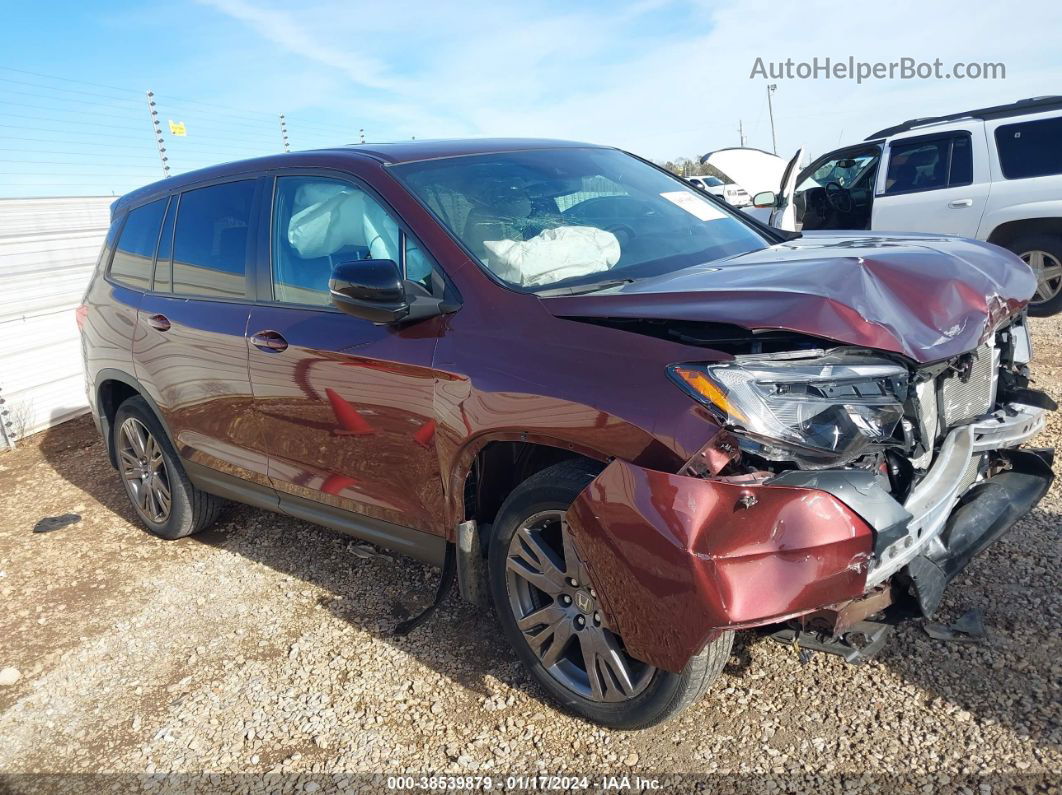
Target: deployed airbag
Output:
[(553, 254), (332, 220)]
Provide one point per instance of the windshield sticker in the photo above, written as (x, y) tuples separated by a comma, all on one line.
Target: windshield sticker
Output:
[(694, 205)]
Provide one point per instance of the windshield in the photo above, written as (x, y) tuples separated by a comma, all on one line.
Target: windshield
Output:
[(571, 217), (845, 171)]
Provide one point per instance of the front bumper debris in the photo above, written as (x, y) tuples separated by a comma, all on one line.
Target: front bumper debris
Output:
[(677, 559), (985, 512)]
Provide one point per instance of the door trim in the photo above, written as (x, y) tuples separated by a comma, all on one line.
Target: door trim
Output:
[(425, 547)]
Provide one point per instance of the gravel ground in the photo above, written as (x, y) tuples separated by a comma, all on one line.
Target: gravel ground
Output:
[(265, 647)]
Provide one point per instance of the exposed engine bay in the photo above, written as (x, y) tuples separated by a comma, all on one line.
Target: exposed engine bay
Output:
[(907, 447)]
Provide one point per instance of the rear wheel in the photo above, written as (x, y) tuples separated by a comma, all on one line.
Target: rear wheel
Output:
[(1043, 253), (548, 609), (165, 501)]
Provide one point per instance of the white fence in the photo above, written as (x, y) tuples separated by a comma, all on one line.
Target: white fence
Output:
[(48, 248)]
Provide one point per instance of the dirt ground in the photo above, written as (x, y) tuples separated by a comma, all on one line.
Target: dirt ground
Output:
[(264, 648)]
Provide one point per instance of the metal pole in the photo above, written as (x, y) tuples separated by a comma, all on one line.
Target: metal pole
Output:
[(157, 129), (361, 132), (284, 133), (770, 110), (741, 133)]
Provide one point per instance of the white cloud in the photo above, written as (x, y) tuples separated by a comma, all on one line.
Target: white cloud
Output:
[(623, 75)]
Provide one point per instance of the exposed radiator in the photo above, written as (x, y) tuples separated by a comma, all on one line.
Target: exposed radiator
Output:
[(962, 401)]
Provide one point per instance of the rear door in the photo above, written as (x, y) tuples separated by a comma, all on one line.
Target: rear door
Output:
[(933, 182), (191, 349), (345, 407)]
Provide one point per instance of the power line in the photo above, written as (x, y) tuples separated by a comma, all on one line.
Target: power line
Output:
[(58, 152), (60, 162), (63, 121), (52, 141), (63, 132), (66, 79), (128, 90), (38, 95), (64, 90), (77, 111)]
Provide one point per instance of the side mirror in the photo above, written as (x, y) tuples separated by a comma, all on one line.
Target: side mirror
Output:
[(371, 289), (764, 199)]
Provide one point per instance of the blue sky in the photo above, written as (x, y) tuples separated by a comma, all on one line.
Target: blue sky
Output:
[(663, 78)]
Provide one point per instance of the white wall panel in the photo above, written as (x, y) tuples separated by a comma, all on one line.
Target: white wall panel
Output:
[(48, 249)]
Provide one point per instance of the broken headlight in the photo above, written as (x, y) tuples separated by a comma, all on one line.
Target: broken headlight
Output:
[(816, 413)]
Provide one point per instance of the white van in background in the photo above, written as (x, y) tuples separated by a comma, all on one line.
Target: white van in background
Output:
[(992, 174)]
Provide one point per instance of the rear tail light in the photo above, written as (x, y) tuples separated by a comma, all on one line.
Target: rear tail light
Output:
[(80, 315)]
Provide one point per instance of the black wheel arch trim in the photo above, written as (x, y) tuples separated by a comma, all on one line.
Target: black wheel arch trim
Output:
[(111, 374)]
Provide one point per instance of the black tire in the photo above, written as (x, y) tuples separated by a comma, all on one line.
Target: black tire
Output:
[(667, 693), (190, 509), (1051, 245)]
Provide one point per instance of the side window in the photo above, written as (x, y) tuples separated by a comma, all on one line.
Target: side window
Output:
[(210, 240), (1030, 148), (319, 223), (135, 251), (961, 172), (163, 260), (922, 164)]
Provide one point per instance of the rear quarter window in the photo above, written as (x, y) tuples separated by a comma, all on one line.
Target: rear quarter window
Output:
[(1030, 148), (134, 253)]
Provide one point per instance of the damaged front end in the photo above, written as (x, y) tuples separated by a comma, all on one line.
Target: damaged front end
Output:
[(844, 481)]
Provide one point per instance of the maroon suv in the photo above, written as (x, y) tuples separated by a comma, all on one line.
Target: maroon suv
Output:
[(630, 417)]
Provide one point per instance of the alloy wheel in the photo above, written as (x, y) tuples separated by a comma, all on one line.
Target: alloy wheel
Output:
[(144, 471), (557, 611), (1048, 271)]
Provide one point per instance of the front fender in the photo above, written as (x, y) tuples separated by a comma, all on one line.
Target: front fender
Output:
[(676, 560)]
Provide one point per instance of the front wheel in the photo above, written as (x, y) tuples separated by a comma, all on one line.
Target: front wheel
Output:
[(548, 609), (1043, 253)]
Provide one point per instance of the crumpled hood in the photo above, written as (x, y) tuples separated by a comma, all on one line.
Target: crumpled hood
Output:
[(923, 296)]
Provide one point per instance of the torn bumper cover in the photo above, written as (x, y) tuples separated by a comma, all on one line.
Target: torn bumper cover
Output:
[(677, 559)]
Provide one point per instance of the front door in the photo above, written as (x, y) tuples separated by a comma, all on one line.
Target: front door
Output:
[(936, 182), (344, 407), (834, 192)]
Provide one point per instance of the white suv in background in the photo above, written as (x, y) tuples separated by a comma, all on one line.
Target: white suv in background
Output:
[(992, 174), (732, 194)]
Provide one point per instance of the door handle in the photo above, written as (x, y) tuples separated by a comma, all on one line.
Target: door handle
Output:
[(159, 322), (960, 203), (269, 341)]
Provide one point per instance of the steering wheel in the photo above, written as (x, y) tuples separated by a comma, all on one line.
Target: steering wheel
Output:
[(623, 233), (838, 197)]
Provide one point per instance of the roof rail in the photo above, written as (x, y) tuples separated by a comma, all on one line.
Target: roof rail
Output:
[(1019, 108)]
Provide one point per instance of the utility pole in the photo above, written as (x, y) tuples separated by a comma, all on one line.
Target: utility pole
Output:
[(156, 127), (770, 110), (741, 134), (284, 133)]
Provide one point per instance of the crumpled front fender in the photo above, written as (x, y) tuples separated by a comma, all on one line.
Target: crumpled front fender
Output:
[(676, 559)]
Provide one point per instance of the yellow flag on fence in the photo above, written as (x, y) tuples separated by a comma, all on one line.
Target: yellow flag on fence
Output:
[(178, 128)]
